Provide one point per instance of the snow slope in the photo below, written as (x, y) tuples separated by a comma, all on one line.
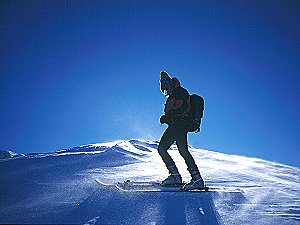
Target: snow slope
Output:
[(60, 187)]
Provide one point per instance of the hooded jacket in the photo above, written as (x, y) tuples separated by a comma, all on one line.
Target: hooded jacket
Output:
[(178, 103)]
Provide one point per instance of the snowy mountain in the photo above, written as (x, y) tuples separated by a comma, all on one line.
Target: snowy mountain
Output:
[(60, 187), (7, 154)]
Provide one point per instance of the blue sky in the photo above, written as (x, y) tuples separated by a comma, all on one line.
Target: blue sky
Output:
[(79, 72)]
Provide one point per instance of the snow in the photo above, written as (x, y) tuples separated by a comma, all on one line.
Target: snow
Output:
[(7, 154), (59, 188)]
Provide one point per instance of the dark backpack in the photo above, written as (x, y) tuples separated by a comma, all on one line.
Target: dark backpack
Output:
[(196, 113)]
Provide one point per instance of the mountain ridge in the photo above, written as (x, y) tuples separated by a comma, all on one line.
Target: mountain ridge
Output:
[(140, 144)]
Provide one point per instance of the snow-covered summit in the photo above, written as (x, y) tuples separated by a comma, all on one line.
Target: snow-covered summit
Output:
[(59, 187), (4, 154), (130, 146)]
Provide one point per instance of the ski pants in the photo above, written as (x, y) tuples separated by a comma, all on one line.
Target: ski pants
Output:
[(176, 133)]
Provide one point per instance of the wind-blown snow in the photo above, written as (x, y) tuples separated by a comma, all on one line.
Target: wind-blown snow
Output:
[(60, 187)]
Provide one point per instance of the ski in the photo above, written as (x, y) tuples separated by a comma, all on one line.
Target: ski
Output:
[(133, 186)]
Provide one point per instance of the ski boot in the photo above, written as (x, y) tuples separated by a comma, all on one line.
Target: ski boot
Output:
[(174, 178), (196, 181)]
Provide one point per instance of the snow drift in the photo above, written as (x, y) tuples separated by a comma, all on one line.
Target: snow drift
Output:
[(59, 187)]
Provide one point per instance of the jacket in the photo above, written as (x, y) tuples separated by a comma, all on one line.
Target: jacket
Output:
[(177, 105)]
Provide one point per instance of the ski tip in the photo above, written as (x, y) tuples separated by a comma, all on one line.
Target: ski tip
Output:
[(99, 182)]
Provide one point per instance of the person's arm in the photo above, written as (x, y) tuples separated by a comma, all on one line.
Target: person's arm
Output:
[(181, 102), (168, 110)]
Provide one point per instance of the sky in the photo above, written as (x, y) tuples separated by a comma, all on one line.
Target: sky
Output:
[(80, 72)]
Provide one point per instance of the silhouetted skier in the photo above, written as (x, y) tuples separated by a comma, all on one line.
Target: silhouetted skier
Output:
[(176, 112)]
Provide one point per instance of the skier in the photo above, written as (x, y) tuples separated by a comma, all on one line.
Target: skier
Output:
[(176, 115)]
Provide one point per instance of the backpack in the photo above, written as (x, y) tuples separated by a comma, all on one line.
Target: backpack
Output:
[(196, 113)]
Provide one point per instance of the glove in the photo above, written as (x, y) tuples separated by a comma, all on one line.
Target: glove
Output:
[(164, 119)]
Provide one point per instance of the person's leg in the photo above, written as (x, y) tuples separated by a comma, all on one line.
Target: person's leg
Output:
[(165, 143), (182, 145)]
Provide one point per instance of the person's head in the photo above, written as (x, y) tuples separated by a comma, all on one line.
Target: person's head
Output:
[(168, 84)]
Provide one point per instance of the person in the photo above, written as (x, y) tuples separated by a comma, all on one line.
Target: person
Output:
[(175, 116)]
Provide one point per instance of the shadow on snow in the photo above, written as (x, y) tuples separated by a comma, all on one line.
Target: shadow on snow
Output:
[(114, 207)]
